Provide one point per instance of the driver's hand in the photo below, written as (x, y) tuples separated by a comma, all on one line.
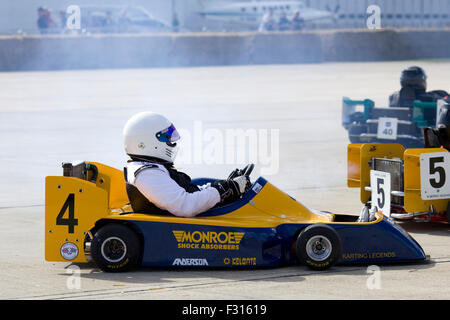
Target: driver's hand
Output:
[(242, 183), (229, 190)]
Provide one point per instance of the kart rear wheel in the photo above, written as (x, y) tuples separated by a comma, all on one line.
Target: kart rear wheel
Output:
[(318, 247), (115, 248)]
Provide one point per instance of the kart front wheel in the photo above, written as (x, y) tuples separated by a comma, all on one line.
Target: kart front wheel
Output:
[(115, 248), (318, 247)]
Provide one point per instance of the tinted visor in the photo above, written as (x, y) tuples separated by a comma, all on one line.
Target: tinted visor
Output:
[(169, 134), (413, 73)]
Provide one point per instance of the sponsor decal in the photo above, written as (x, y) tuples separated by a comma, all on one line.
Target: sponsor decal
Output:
[(189, 262), (69, 251), (257, 188), (372, 255), (208, 240), (240, 261)]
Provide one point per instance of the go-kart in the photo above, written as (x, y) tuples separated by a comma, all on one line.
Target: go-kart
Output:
[(366, 123), (88, 216), (411, 184)]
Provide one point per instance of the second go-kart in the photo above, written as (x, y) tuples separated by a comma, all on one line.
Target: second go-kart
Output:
[(366, 123), (411, 184), (88, 215)]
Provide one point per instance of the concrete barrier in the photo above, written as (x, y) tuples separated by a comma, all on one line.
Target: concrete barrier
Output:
[(57, 52), (385, 45), (210, 49), (286, 47), (362, 46)]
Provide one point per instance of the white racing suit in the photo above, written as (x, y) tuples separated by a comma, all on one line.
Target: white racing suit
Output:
[(160, 188)]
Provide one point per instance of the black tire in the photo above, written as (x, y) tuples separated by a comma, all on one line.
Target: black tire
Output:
[(115, 248), (318, 247)]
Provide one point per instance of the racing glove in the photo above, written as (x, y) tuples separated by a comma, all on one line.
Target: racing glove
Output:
[(230, 190), (242, 182)]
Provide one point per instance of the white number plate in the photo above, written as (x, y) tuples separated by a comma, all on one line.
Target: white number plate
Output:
[(387, 128), (380, 183), (435, 175)]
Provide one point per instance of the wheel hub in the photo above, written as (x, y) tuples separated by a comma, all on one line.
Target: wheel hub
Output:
[(319, 248), (113, 249)]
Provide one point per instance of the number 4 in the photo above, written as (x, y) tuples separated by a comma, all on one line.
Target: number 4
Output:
[(71, 222)]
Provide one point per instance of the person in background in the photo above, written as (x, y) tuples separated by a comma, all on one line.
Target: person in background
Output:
[(413, 81), (268, 22), (52, 27), (42, 21), (108, 23), (175, 23), (297, 22), (62, 20), (284, 23)]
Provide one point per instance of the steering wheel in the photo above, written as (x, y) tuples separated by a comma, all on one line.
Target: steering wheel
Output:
[(243, 172), (248, 170)]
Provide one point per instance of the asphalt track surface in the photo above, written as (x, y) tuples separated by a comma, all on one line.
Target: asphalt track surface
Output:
[(50, 117)]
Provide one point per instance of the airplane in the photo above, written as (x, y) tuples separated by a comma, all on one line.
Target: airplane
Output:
[(248, 14)]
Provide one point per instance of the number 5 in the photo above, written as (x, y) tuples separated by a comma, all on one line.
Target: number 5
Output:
[(439, 170), (380, 185), (380, 191)]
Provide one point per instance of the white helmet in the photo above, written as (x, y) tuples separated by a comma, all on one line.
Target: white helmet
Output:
[(150, 134)]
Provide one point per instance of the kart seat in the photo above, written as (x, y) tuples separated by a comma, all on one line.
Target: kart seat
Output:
[(139, 203)]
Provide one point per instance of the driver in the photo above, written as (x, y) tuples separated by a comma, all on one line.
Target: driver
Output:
[(413, 81), (154, 186)]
